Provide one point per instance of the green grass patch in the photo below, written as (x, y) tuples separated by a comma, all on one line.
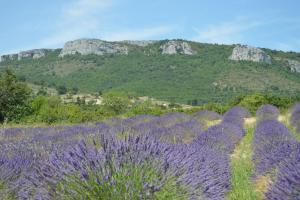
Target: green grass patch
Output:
[(242, 169)]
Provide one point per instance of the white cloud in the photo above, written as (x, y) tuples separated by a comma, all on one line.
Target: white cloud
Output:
[(80, 18), (88, 18), (226, 33)]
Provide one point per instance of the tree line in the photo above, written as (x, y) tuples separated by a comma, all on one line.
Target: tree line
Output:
[(18, 104)]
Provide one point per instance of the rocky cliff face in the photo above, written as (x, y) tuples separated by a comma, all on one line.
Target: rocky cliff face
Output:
[(141, 43), (177, 47), (8, 57), (93, 46), (34, 53), (292, 65), (248, 53)]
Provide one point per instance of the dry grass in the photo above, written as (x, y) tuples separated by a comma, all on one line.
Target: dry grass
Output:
[(212, 123), (262, 184), (284, 119), (250, 122)]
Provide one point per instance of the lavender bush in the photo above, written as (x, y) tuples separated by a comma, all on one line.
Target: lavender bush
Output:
[(236, 115), (287, 184), (272, 144), (134, 168), (276, 153), (266, 112)]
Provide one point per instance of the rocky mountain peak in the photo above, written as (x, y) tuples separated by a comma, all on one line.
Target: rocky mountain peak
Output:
[(177, 47), (248, 53), (93, 46)]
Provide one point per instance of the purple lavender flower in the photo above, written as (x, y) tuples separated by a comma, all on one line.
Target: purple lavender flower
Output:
[(236, 115), (272, 144), (287, 184)]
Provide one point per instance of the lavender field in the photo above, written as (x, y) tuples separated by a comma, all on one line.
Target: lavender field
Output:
[(174, 156)]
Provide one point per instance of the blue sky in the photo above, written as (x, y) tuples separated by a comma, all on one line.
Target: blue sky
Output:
[(32, 24)]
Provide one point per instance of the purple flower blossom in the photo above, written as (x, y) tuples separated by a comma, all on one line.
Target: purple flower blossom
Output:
[(272, 144), (287, 184), (236, 115)]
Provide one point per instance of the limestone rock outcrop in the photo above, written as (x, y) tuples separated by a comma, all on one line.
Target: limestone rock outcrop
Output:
[(177, 47), (34, 53), (93, 46), (292, 65), (248, 53)]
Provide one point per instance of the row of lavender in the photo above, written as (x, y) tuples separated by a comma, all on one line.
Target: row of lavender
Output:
[(35, 161), (276, 154), (212, 149)]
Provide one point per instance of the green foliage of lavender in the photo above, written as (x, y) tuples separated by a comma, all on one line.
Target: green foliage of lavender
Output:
[(132, 182)]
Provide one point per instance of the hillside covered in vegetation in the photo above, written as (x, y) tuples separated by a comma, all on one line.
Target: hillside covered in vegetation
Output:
[(203, 74)]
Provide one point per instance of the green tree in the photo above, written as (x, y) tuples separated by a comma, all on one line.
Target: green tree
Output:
[(253, 102), (14, 97), (42, 91), (75, 90), (62, 89), (49, 109), (194, 102), (116, 102)]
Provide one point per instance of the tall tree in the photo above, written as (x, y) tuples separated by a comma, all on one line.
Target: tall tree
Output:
[(14, 97)]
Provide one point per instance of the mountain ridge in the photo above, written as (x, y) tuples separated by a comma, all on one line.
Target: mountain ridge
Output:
[(188, 71), (141, 43)]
